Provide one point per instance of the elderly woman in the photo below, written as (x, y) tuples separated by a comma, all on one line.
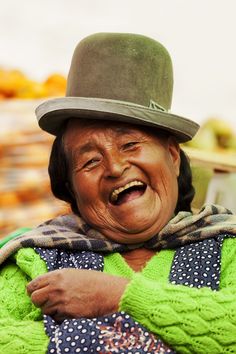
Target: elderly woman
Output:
[(131, 270)]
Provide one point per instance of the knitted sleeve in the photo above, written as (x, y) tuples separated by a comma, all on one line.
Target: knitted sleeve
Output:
[(22, 337), (21, 326), (190, 320)]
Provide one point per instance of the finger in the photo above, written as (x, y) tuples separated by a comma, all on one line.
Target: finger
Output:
[(40, 297), (55, 312), (37, 283), (50, 311)]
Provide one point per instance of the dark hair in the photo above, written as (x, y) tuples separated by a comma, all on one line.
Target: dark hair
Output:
[(60, 180), (58, 170), (186, 188)]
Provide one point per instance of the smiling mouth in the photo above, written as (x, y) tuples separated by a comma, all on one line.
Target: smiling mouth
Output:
[(128, 192)]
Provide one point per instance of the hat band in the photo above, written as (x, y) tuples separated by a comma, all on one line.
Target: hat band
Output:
[(156, 106)]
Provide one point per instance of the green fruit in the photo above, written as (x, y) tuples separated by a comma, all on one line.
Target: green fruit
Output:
[(222, 130), (204, 140), (231, 143)]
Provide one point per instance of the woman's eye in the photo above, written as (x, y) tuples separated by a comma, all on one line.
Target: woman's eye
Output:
[(91, 163), (130, 145)]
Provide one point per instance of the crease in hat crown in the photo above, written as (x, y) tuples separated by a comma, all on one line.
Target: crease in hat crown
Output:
[(122, 77)]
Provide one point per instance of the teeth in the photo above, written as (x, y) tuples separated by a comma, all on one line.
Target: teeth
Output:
[(116, 192)]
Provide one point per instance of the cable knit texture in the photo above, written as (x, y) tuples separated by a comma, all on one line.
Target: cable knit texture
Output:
[(21, 325), (190, 320)]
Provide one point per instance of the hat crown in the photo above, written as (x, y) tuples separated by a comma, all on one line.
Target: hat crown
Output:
[(118, 77), (122, 67)]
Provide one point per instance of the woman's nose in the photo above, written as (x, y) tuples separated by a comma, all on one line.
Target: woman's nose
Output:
[(116, 165)]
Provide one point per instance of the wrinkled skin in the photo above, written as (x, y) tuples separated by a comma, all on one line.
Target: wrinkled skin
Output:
[(73, 293), (103, 158)]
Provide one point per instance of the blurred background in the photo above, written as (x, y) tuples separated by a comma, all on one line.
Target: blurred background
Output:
[(37, 40)]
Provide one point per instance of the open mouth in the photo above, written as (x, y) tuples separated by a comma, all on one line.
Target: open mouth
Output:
[(128, 192)]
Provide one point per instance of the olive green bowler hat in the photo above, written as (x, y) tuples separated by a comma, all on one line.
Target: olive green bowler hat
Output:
[(119, 77)]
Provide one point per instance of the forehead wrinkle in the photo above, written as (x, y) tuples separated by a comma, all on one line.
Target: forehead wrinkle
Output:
[(123, 130), (80, 150), (75, 153)]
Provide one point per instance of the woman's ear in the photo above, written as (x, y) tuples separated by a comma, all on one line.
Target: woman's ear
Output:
[(174, 151)]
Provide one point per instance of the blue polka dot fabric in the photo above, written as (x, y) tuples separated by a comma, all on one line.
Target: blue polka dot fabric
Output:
[(198, 264), (58, 259), (116, 333), (194, 265)]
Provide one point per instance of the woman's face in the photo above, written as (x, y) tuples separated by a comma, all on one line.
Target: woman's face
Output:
[(124, 178)]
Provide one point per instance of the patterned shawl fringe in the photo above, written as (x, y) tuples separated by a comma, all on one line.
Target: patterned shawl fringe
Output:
[(70, 232)]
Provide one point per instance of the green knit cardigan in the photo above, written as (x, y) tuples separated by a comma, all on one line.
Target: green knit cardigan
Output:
[(190, 320)]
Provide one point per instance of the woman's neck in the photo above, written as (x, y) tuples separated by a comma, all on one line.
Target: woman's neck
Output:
[(138, 258)]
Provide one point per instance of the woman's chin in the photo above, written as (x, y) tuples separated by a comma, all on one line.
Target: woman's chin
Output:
[(131, 232)]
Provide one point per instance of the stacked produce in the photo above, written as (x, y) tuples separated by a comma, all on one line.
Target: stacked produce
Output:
[(25, 196), (15, 84)]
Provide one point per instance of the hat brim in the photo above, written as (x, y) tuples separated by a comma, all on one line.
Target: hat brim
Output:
[(53, 113)]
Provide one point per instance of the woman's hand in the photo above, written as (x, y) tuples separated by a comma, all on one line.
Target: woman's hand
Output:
[(73, 293)]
